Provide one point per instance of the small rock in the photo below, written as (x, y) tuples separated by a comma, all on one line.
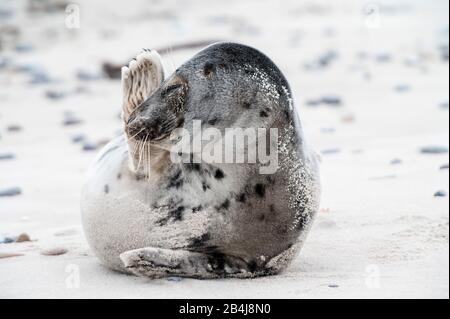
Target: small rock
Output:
[(174, 279), (331, 151), (401, 88), (396, 161), (12, 191), (71, 120), (7, 240), (7, 156), (89, 146), (14, 128), (54, 251), (78, 138), (332, 100), (23, 238), (434, 150), (443, 105), (23, 47), (333, 286), (440, 194), (383, 57), (54, 95), (313, 103), (39, 78)]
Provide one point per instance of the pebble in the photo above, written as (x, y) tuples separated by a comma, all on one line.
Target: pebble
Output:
[(23, 238), (4, 62), (71, 120), (7, 156), (401, 88), (89, 146), (174, 279), (396, 161), (331, 151), (56, 251), (14, 128), (434, 150), (55, 95), (332, 100), (322, 61), (7, 240), (39, 78), (443, 105), (23, 47), (383, 57), (333, 286), (78, 138), (11, 191), (440, 194)]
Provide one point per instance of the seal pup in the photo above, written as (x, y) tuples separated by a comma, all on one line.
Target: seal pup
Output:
[(146, 214)]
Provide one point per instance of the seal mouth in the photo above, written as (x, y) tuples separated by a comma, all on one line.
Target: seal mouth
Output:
[(152, 129)]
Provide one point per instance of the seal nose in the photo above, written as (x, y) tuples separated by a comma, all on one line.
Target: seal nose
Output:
[(143, 129)]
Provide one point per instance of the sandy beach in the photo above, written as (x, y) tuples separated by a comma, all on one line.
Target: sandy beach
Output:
[(371, 82)]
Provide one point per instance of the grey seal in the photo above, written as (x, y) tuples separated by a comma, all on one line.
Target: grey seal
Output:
[(146, 214)]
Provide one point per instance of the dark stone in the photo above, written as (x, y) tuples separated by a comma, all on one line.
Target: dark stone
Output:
[(331, 100), (55, 95), (396, 161), (14, 128), (12, 191), (333, 286), (89, 146), (440, 194), (331, 151), (71, 120), (78, 138), (434, 150), (7, 156)]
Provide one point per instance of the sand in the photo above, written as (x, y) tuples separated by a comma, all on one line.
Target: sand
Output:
[(381, 231)]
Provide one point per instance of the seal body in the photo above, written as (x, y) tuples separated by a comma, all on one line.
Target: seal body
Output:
[(145, 213)]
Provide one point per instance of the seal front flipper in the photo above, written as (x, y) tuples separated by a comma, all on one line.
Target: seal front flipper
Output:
[(157, 263), (143, 76)]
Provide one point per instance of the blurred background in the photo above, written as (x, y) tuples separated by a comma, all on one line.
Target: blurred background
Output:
[(370, 80)]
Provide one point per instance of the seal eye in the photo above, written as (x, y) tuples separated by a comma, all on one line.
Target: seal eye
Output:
[(170, 89), (208, 69)]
